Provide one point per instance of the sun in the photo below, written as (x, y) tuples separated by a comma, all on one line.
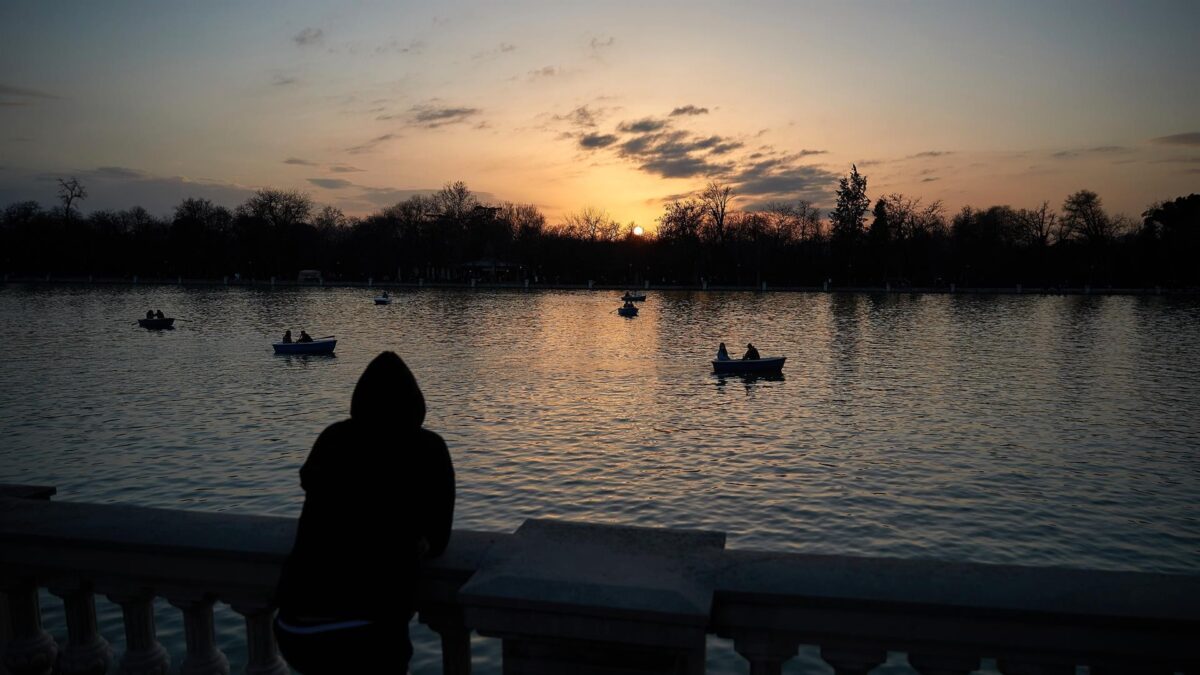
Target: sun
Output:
[(637, 230)]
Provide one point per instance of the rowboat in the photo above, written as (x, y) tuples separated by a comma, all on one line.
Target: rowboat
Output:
[(382, 300), (157, 323), (322, 346), (627, 311), (767, 366), (630, 297)]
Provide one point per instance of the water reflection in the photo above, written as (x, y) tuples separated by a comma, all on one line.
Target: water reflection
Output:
[(748, 380)]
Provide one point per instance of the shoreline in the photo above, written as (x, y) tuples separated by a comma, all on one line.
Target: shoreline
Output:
[(952, 289)]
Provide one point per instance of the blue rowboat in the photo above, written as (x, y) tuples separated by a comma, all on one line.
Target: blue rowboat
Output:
[(631, 297), (156, 324), (768, 366), (322, 346)]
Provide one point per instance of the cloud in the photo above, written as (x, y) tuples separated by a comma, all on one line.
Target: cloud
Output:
[(1099, 150), (593, 141), (930, 153), (434, 116), (930, 179), (785, 182), (118, 187), (331, 183), (545, 71), (642, 126), (308, 36), (344, 168), (283, 80), (1190, 138), (370, 145), (397, 47), (688, 110), (388, 196), (598, 43), (583, 116), (299, 162), (21, 96), (502, 48)]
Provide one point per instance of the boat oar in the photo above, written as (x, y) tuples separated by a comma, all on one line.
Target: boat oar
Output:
[(324, 338)]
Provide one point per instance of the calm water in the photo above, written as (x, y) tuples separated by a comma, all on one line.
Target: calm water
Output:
[(1016, 429)]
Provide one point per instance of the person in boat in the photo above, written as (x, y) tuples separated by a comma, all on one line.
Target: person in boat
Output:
[(629, 305), (379, 501), (149, 314), (722, 353), (287, 336), (159, 315), (383, 295), (304, 337), (751, 353)]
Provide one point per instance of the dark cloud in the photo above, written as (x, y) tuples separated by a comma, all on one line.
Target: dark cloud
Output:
[(930, 179), (1190, 138), (593, 141), (117, 187), (688, 110), (787, 182), (683, 166), (642, 126), (598, 43), (299, 162), (370, 145), (344, 168), (930, 153), (434, 116), (283, 80), (21, 96), (308, 36), (331, 183)]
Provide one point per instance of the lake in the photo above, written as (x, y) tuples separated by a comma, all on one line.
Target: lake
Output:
[(1035, 430)]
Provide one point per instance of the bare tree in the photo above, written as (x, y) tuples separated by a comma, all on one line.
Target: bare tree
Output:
[(681, 221), (525, 220), (715, 201), (69, 192), (592, 224), (455, 201), (1037, 225), (1083, 214), (277, 208)]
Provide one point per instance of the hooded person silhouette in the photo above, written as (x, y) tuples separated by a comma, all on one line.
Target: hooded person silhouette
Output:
[(379, 498)]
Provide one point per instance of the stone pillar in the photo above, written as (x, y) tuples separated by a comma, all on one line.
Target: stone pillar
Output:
[(766, 652), (203, 657), (262, 653), (951, 287), (370, 281), (86, 652), (853, 661), (143, 653), (31, 651), (590, 284)]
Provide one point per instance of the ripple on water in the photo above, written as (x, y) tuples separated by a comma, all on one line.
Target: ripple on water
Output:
[(1014, 429)]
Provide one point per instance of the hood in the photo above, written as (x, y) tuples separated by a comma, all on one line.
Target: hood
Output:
[(388, 392)]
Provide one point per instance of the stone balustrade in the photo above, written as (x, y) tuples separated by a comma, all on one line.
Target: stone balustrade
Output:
[(577, 597)]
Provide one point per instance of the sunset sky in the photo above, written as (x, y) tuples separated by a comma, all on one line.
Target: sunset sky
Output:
[(618, 105)]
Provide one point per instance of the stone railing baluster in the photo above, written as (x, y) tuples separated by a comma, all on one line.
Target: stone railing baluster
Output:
[(31, 650), (203, 656), (765, 651), (853, 661), (942, 664), (143, 653), (262, 652), (86, 651), (456, 641)]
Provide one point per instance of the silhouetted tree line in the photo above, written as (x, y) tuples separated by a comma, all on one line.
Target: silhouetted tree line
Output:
[(450, 235)]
